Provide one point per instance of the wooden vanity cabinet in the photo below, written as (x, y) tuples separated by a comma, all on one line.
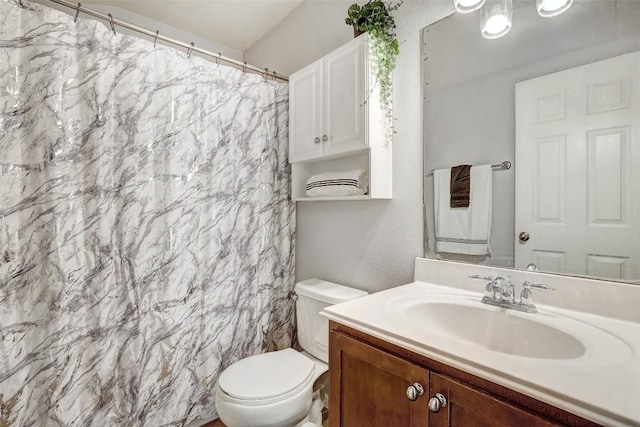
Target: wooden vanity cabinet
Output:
[(370, 386), (369, 378), (467, 406)]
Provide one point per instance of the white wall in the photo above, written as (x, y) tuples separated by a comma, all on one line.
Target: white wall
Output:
[(366, 244)]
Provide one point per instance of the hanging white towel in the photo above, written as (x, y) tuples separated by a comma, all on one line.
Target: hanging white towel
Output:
[(333, 184), (464, 230)]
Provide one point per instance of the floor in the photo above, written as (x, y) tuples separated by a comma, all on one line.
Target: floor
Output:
[(218, 423)]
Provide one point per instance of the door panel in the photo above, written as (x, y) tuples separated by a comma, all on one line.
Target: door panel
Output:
[(305, 113), (345, 90), (578, 170), (369, 386), (469, 407)]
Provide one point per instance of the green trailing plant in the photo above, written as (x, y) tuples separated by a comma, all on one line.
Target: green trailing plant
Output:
[(376, 18)]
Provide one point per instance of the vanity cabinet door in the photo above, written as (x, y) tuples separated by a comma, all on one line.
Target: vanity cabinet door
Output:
[(467, 406), (327, 109), (305, 113), (369, 387), (345, 96)]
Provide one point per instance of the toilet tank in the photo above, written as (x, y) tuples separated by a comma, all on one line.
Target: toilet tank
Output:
[(313, 329)]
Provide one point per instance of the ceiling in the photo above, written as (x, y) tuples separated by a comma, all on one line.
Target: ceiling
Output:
[(237, 24)]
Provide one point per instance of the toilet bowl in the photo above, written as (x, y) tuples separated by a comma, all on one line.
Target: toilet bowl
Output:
[(275, 389), (270, 390)]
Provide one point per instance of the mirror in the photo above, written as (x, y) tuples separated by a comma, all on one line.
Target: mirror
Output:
[(559, 98)]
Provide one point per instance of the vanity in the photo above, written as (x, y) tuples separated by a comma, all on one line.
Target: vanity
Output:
[(431, 353)]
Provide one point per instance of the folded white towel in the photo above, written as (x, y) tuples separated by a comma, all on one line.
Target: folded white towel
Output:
[(332, 184), (464, 230)]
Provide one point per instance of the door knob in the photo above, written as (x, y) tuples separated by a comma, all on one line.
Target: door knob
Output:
[(316, 140), (414, 391), (325, 138), (523, 236), (437, 402)]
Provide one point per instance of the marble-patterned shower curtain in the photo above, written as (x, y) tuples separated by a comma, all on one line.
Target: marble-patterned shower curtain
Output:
[(146, 232)]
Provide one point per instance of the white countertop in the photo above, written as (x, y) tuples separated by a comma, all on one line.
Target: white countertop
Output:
[(603, 385)]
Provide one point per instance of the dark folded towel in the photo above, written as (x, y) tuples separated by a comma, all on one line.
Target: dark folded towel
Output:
[(460, 186)]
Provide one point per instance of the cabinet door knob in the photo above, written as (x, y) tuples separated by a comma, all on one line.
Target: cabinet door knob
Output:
[(414, 391), (437, 402), (325, 138), (316, 140)]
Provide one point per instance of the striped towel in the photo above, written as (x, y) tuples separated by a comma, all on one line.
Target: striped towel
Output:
[(333, 184), (464, 230)]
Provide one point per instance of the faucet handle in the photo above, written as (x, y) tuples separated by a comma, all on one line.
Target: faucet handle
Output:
[(537, 286), (483, 278), (526, 296), (492, 284)]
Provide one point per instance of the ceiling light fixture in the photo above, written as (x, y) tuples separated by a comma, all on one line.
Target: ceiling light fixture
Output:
[(496, 18), (497, 15), (549, 8), (467, 6)]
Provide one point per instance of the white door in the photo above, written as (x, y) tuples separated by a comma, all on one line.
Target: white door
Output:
[(344, 108), (578, 170), (305, 113)]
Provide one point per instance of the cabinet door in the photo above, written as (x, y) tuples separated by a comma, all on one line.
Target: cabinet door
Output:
[(345, 95), (369, 387), (305, 113), (470, 407)]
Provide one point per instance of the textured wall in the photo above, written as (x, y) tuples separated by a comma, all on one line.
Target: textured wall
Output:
[(367, 244), (146, 232)]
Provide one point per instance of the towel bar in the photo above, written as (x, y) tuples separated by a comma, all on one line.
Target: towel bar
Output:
[(506, 165)]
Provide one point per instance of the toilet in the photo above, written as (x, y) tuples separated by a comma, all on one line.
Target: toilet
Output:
[(275, 389)]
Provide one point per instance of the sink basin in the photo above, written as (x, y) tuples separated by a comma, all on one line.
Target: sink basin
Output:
[(496, 330), (448, 321)]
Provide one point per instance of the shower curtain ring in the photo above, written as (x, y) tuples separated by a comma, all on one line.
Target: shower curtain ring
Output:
[(244, 67), (265, 74), (155, 39), (113, 27), (219, 58), (77, 12), (190, 49), (275, 75)]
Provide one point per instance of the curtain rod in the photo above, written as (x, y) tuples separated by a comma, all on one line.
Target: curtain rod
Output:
[(157, 36), (506, 165)]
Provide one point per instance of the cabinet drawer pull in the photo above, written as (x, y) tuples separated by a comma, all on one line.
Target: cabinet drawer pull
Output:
[(316, 140), (414, 391), (437, 402)]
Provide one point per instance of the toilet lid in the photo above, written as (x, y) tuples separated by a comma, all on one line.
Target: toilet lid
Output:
[(267, 375)]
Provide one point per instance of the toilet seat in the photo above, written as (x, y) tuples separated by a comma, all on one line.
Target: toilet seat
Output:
[(266, 378)]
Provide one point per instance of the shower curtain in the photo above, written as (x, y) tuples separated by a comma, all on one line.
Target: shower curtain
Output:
[(146, 231)]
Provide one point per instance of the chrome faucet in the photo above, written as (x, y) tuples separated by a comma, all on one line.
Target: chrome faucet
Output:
[(503, 289), (526, 296), (500, 292)]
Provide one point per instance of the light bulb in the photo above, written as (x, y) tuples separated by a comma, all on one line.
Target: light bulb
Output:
[(496, 24), (496, 18), (549, 8), (466, 6)]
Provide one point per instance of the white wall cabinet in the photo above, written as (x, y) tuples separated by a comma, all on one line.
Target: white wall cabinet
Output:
[(336, 122)]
